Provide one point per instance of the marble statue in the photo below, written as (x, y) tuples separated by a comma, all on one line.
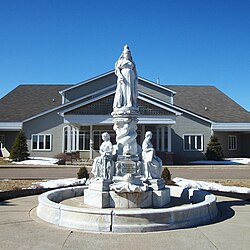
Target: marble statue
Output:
[(125, 129), (152, 163), (126, 91), (103, 166)]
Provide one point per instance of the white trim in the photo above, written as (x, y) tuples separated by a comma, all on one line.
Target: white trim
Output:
[(230, 143), (231, 126), (189, 141), (169, 139), (15, 126), (44, 142), (108, 119), (86, 81), (172, 99), (91, 142)]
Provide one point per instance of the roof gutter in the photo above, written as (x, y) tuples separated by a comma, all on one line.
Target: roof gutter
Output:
[(11, 126), (231, 126)]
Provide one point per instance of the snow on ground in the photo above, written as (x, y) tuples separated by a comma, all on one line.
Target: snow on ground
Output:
[(38, 161), (59, 183), (227, 161), (205, 185)]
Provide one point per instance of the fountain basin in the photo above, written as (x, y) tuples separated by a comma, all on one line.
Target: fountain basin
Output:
[(199, 207)]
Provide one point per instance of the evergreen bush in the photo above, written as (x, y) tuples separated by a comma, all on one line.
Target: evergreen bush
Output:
[(214, 150), (19, 150), (82, 173)]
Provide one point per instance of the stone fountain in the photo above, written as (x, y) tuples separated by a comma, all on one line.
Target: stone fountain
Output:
[(127, 193), (125, 177)]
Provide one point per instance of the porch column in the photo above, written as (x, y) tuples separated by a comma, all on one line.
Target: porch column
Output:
[(77, 139), (73, 139), (68, 138), (157, 138), (169, 139), (91, 143), (162, 138)]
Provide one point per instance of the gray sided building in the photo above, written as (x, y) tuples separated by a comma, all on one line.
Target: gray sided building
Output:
[(71, 118)]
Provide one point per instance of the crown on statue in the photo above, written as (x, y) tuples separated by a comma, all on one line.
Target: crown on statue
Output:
[(126, 49)]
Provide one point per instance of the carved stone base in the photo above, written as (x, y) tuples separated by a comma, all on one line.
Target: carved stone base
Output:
[(131, 200), (111, 199), (96, 198)]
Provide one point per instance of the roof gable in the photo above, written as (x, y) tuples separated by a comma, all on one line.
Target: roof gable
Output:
[(109, 79), (104, 106)]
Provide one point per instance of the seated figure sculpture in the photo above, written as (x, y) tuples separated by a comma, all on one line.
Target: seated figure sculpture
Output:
[(103, 166), (152, 164)]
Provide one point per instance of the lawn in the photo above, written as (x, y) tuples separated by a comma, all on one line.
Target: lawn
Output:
[(4, 162)]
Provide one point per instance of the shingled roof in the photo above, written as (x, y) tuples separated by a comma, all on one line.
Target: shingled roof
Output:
[(28, 100), (209, 102)]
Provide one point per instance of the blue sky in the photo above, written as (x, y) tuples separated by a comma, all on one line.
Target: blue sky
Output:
[(189, 42)]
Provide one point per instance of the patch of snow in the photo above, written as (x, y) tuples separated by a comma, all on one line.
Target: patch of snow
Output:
[(227, 161), (59, 183), (38, 161), (206, 185)]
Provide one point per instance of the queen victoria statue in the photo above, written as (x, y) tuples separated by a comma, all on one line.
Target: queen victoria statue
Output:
[(126, 91)]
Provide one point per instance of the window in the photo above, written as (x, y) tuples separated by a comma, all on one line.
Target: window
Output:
[(76, 139), (232, 142), (193, 142), (41, 142), (84, 139)]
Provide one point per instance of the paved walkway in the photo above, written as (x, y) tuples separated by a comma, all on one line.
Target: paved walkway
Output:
[(21, 229)]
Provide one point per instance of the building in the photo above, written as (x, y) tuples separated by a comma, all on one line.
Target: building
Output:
[(71, 118)]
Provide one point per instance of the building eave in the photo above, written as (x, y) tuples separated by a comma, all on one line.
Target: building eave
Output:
[(11, 126), (230, 126), (108, 119)]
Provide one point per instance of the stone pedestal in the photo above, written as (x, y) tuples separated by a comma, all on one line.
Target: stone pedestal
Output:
[(99, 185), (96, 198), (161, 197), (97, 195), (157, 184), (131, 200)]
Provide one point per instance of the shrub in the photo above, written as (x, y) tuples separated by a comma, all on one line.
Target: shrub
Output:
[(166, 175), (214, 150), (82, 173), (62, 158), (19, 151)]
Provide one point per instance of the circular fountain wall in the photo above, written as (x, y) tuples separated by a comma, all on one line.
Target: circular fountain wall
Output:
[(188, 207)]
